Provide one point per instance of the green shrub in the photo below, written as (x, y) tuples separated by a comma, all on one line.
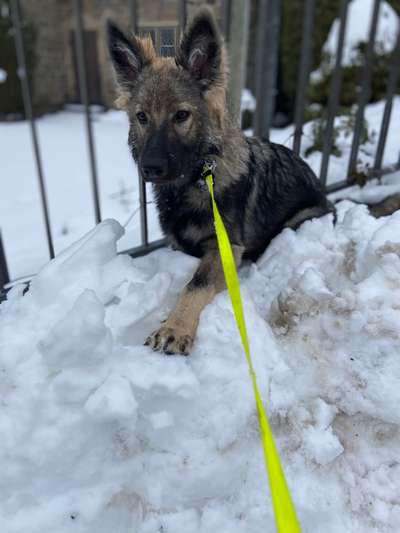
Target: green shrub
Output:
[(345, 129), (351, 80), (10, 90), (290, 49), (290, 45)]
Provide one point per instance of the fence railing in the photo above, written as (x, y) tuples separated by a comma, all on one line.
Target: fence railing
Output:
[(267, 33)]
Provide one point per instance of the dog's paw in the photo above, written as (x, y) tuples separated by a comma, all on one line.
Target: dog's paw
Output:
[(170, 341)]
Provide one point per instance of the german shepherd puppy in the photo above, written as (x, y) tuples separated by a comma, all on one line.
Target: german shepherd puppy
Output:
[(178, 121)]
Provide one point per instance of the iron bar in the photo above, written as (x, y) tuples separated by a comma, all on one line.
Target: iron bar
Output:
[(267, 50), (238, 42), (261, 128), (83, 88), (391, 89), (182, 16), (370, 174), (334, 94), (144, 232), (138, 251), (225, 18), (27, 100), (4, 276), (304, 73), (379, 172), (337, 186), (365, 91), (133, 16)]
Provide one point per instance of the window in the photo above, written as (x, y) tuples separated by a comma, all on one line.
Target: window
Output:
[(167, 42), (164, 39)]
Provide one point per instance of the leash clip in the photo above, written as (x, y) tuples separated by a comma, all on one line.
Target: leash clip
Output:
[(209, 168)]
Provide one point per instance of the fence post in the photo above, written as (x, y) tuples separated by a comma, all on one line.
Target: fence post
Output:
[(83, 87), (267, 50), (4, 277), (182, 16), (391, 89), (334, 95), (27, 100), (225, 18), (144, 232), (304, 73), (365, 91), (133, 16), (238, 41)]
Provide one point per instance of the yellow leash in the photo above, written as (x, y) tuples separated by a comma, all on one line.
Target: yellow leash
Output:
[(285, 513)]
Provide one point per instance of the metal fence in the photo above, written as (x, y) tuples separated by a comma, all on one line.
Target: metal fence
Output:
[(267, 43)]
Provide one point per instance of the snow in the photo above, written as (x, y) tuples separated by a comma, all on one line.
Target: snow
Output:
[(3, 75), (101, 434), (357, 31), (247, 101), (67, 178), (66, 172)]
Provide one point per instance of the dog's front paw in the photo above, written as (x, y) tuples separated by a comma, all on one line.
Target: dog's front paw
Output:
[(170, 341)]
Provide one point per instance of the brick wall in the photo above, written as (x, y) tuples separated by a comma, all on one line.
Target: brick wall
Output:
[(49, 74), (54, 75)]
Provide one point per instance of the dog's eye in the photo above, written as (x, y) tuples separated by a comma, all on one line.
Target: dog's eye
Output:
[(182, 115), (141, 117)]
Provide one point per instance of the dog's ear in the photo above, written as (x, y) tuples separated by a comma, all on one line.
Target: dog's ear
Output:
[(202, 50), (129, 56)]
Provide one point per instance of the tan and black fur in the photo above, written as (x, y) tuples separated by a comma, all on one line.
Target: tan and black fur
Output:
[(178, 120)]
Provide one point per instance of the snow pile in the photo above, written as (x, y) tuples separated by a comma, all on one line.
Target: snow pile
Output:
[(358, 23), (101, 434)]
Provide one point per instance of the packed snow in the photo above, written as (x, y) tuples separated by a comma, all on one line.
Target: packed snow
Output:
[(67, 177), (101, 434), (3, 75), (358, 24), (248, 102)]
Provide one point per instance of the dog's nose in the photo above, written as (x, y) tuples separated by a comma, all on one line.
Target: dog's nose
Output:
[(155, 169)]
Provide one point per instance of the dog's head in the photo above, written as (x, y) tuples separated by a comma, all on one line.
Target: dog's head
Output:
[(176, 106)]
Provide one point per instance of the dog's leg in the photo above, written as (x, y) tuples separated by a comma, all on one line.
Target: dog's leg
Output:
[(177, 333)]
